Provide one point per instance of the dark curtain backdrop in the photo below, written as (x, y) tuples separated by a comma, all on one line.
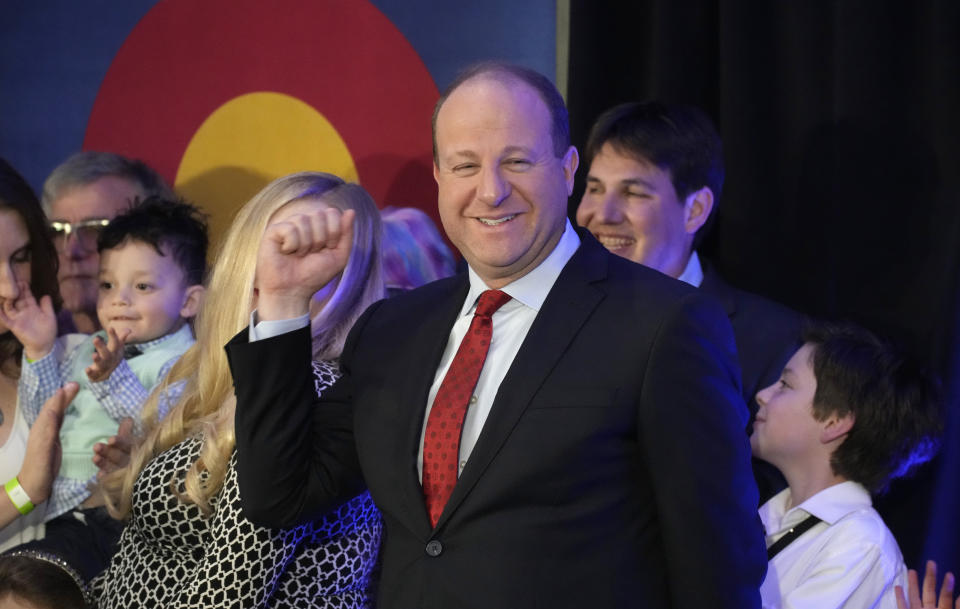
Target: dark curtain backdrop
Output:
[(841, 128)]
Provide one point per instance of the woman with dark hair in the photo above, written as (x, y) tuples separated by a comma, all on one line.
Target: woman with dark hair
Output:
[(27, 259)]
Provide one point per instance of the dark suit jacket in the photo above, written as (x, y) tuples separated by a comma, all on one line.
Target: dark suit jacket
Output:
[(767, 335), (612, 470)]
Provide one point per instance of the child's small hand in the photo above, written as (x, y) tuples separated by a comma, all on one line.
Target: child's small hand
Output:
[(107, 356), (114, 454), (34, 324)]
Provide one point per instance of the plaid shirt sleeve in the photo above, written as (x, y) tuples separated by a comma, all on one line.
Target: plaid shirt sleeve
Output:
[(38, 381), (66, 495)]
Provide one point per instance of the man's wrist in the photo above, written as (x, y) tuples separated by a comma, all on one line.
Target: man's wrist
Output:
[(273, 307)]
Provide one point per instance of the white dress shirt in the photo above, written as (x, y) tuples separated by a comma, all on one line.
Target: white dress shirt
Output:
[(260, 330), (849, 560), (693, 273), (511, 323)]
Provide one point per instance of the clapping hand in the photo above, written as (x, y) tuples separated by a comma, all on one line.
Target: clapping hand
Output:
[(929, 600), (114, 454), (42, 459), (107, 355)]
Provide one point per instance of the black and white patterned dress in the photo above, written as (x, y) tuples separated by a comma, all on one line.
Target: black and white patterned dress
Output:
[(171, 556)]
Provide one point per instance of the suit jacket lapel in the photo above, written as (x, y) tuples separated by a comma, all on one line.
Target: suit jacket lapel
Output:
[(566, 309)]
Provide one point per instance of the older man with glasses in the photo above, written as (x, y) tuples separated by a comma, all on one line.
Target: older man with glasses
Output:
[(80, 197)]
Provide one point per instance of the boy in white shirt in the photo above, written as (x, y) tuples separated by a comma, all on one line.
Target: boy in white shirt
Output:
[(847, 416)]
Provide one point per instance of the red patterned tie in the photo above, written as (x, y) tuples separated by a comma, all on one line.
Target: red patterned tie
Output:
[(441, 441)]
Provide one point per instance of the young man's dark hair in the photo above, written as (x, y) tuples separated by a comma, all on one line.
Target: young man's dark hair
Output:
[(678, 139), (177, 226), (896, 406)]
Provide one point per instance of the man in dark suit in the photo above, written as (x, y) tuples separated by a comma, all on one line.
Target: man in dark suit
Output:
[(655, 173), (601, 461)]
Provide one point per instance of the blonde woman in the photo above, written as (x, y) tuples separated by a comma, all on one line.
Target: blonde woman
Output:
[(186, 543)]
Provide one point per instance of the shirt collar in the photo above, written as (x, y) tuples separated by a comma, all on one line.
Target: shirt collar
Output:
[(834, 502), (693, 273), (829, 505), (532, 288), (183, 332)]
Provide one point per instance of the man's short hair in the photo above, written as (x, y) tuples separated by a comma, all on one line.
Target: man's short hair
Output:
[(680, 140), (174, 225), (506, 72), (87, 167), (896, 406)]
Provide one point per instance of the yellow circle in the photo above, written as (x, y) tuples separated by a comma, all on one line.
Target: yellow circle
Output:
[(250, 141)]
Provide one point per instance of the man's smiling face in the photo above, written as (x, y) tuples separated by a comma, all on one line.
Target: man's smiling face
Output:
[(502, 189), (632, 208)]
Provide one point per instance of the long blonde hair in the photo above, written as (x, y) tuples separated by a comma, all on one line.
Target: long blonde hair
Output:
[(207, 403)]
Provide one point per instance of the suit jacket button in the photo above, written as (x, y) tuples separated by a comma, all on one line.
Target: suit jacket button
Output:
[(434, 548)]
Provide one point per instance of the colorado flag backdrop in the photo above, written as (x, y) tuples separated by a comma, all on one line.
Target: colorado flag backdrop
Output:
[(223, 96)]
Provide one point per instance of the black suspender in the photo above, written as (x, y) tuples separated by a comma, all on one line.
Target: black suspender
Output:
[(791, 535)]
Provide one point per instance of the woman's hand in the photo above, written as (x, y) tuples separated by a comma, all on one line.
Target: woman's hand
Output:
[(42, 459), (114, 454), (929, 599), (297, 257), (34, 324)]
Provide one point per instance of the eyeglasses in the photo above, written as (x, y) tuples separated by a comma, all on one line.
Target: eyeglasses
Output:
[(85, 232)]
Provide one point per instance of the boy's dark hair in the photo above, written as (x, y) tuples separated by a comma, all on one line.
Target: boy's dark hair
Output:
[(678, 139), (176, 225), (896, 406), (41, 582)]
